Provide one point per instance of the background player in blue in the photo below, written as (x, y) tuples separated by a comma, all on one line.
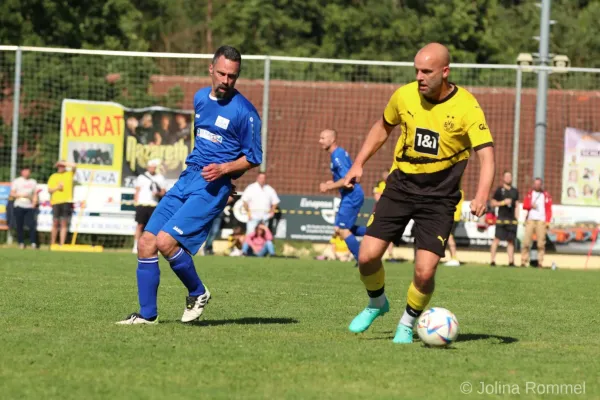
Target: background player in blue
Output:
[(352, 199), (227, 143)]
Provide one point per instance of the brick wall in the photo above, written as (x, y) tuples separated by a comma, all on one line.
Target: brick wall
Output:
[(298, 111)]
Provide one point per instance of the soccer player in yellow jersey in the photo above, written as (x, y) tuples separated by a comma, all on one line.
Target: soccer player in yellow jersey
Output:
[(60, 187), (441, 124), (377, 192)]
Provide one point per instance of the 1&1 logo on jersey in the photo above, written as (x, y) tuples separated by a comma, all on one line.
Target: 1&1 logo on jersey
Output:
[(427, 141)]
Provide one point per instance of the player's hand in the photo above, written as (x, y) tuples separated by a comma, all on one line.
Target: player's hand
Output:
[(212, 172), (60, 186), (353, 176), (323, 187), (508, 202), (478, 207)]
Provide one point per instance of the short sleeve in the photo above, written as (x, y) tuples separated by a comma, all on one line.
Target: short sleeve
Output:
[(274, 198), (498, 195), (516, 195), (137, 182), (391, 114), (250, 138), (477, 128)]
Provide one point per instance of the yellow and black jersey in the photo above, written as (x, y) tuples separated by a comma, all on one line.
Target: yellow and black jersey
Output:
[(378, 189), (436, 140)]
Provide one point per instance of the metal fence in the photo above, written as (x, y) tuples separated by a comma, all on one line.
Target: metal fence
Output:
[(297, 98)]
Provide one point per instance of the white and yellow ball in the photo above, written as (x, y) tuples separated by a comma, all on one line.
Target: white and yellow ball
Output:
[(437, 327)]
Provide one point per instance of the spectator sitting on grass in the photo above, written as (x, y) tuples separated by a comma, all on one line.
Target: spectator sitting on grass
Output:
[(259, 242), (236, 241), (337, 250)]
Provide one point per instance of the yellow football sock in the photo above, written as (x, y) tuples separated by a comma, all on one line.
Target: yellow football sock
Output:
[(417, 300), (374, 282)]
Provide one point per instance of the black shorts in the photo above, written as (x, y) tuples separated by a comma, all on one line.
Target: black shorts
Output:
[(506, 232), (143, 214), (62, 211), (454, 225), (433, 220)]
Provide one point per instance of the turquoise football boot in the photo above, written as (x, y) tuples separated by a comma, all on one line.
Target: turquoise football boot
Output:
[(404, 334), (363, 321)]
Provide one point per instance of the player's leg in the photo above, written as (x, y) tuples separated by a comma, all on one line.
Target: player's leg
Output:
[(148, 272), (358, 230), (183, 235), (345, 220), (387, 222), (142, 219), (433, 225)]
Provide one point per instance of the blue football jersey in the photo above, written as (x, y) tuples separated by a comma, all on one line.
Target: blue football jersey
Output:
[(224, 130), (340, 165)]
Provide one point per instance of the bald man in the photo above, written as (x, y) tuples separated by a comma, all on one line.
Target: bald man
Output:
[(441, 125), (352, 197)]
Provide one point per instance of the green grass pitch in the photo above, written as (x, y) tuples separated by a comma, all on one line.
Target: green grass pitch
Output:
[(277, 328)]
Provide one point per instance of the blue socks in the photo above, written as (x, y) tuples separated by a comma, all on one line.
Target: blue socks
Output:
[(353, 245), (359, 230), (148, 278), (183, 266)]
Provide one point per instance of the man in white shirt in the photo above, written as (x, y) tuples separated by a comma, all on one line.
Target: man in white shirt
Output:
[(538, 204), (149, 188), (24, 190), (260, 202)]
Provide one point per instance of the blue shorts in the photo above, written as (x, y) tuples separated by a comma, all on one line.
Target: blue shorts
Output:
[(188, 209), (348, 212)]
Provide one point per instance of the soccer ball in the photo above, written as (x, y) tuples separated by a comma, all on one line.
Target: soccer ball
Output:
[(437, 327)]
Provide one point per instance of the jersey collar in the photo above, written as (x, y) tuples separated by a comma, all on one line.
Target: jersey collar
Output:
[(451, 95)]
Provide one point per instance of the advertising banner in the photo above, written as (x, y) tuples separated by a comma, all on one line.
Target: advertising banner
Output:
[(581, 168), (116, 143), (4, 195), (92, 136)]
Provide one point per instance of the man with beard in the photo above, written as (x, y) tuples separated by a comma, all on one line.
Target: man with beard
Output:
[(228, 143)]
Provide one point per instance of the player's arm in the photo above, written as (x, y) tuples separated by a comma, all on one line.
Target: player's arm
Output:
[(486, 179), (330, 185), (517, 205), (377, 136), (251, 150), (136, 195), (483, 144)]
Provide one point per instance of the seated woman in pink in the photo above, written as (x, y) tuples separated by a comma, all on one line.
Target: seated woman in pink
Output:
[(259, 242)]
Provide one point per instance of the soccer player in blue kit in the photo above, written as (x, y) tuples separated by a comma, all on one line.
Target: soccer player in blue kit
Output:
[(352, 198), (227, 131)]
